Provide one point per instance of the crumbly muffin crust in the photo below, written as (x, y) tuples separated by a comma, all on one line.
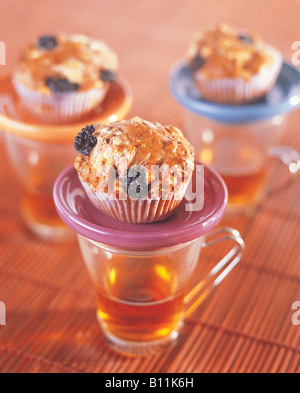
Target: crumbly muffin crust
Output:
[(136, 143), (223, 51), (68, 61)]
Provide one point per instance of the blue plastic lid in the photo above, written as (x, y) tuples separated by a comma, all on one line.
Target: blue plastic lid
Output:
[(284, 97)]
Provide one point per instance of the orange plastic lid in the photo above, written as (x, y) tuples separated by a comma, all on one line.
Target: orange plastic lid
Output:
[(15, 118)]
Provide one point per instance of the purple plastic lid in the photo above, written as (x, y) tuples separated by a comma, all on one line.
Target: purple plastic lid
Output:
[(79, 214)]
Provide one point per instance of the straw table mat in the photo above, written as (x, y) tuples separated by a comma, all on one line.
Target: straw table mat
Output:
[(246, 325)]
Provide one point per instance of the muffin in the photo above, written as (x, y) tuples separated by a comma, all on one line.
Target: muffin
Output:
[(62, 78), (231, 66), (133, 170)]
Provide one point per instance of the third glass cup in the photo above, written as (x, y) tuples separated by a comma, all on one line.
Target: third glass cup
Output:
[(37, 164), (39, 152), (239, 141), (241, 153)]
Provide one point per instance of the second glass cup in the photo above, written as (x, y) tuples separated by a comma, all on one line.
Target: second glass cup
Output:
[(37, 165), (39, 152), (241, 153)]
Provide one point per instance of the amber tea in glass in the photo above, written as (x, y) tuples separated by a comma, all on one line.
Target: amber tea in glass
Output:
[(37, 165)]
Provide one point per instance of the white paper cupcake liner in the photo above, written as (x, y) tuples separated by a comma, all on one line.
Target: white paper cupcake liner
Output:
[(60, 108), (237, 90), (136, 212)]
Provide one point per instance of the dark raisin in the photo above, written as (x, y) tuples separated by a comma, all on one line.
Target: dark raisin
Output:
[(61, 85), (197, 62), (91, 129), (47, 42), (246, 39), (85, 141), (137, 182), (107, 76)]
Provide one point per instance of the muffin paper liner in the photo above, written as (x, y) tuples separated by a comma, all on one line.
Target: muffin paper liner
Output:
[(237, 90), (60, 108), (136, 212)]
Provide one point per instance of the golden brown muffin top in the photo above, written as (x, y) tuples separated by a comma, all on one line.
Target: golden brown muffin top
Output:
[(223, 51), (83, 62), (135, 143)]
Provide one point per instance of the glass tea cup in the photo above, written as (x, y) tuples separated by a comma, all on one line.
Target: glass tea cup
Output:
[(242, 154), (142, 273), (143, 297), (239, 141), (39, 152), (37, 165)]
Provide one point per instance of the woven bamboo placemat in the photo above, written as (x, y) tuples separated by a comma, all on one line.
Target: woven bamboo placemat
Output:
[(246, 325)]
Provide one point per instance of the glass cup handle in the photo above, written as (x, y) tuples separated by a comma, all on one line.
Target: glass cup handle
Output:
[(204, 288), (286, 154), (290, 158)]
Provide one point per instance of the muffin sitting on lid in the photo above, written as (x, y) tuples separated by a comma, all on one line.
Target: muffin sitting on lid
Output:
[(63, 78), (133, 170), (231, 66)]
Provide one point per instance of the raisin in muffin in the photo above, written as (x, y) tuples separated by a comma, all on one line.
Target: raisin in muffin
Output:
[(62, 78), (231, 66), (133, 170)]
